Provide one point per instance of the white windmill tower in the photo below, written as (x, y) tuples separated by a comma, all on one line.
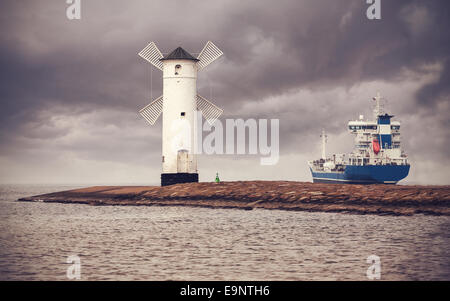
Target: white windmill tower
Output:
[(178, 105)]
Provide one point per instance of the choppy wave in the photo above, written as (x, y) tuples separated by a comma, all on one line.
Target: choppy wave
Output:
[(182, 243)]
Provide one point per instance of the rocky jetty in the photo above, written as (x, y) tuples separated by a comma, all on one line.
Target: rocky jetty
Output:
[(282, 195)]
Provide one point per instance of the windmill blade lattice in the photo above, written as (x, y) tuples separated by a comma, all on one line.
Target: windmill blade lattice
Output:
[(152, 111), (209, 54), (209, 110), (152, 55)]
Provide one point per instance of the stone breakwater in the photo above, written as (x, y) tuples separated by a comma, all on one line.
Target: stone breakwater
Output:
[(281, 195)]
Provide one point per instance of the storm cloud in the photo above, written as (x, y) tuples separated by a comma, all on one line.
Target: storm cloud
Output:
[(71, 89)]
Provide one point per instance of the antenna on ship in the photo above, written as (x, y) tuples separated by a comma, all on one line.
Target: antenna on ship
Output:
[(377, 111), (324, 142)]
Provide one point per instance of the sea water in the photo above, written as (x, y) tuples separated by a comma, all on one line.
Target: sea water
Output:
[(185, 243)]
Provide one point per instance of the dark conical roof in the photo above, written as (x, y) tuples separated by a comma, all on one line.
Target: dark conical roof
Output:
[(179, 54)]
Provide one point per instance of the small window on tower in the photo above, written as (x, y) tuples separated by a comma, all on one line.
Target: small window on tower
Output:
[(177, 69), (183, 114)]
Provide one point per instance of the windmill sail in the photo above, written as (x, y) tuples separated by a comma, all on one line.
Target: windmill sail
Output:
[(209, 54), (209, 110), (152, 55), (152, 111)]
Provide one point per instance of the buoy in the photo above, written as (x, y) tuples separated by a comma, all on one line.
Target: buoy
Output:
[(217, 178)]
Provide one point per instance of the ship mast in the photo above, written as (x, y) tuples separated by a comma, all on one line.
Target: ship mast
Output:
[(324, 142), (377, 110)]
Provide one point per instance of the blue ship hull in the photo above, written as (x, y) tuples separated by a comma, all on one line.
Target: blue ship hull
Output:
[(367, 174)]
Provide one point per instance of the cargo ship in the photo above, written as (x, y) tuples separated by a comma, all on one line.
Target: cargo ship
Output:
[(377, 157)]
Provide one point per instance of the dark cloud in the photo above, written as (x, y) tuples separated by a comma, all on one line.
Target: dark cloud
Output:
[(308, 63)]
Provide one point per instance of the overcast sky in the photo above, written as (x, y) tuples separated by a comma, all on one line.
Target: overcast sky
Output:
[(71, 89)]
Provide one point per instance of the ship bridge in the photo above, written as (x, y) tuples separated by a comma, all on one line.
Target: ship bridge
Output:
[(384, 130)]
